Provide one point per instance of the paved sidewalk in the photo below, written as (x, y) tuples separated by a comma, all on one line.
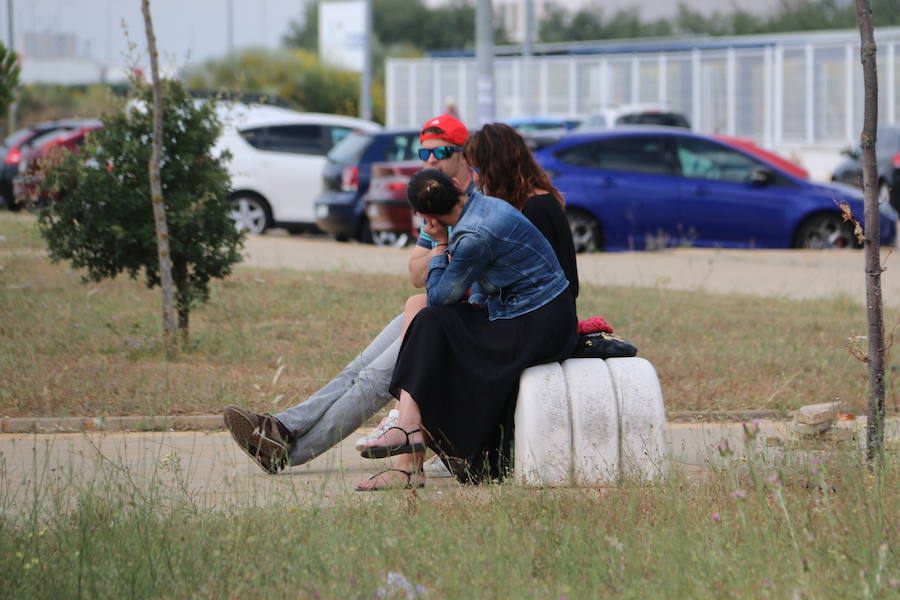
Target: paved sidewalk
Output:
[(209, 470)]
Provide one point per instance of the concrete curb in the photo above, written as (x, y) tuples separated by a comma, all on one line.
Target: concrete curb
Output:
[(215, 422)]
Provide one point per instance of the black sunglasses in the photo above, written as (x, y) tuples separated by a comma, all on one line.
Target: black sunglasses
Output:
[(440, 153)]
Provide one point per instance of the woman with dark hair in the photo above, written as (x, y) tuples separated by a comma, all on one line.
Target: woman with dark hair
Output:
[(505, 168), (457, 374)]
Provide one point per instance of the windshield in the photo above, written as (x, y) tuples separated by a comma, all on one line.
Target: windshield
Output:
[(17, 137), (350, 149), (43, 139), (654, 118)]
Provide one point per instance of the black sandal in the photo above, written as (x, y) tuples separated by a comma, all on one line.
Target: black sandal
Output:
[(385, 451), (409, 482)]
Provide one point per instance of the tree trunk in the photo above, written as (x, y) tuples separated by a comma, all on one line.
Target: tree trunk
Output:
[(156, 195), (867, 50)]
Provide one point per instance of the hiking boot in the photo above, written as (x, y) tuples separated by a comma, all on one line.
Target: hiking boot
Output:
[(261, 436)]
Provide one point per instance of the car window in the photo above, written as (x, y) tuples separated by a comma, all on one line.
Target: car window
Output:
[(255, 137), (596, 121), (888, 142), (643, 154), (667, 119), (706, 160), (338, 132), (350, 149), (17, 137), (300, 139), (40, 140), (403, 147)]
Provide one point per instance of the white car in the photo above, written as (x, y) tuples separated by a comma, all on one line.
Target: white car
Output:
[(276, 162), (635, 114)]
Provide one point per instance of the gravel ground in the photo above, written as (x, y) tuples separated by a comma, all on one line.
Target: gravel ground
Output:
[(767, 273)]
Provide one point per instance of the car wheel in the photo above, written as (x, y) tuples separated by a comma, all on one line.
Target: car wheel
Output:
[(250, 213), (825, 231), (390, 239), (364, 232), (585, 231)]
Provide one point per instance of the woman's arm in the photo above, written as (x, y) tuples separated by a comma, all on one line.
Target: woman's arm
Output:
[(449, 281)]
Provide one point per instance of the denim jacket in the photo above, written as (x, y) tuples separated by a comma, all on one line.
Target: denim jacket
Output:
[(497, 251)]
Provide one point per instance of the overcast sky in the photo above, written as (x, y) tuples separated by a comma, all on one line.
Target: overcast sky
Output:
[(185, 29)]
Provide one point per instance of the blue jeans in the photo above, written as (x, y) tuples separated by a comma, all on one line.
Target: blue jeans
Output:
[(347, 401)]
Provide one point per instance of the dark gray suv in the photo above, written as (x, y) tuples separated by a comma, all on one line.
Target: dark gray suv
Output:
[(887, 153)]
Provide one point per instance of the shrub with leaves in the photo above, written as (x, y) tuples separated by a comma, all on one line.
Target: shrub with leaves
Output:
[(9, 77), (100, 218)]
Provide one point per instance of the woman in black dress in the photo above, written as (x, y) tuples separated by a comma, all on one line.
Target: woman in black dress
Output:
[(464, 367)]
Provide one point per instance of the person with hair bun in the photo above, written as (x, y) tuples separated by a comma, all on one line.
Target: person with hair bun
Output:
[(458, 370)]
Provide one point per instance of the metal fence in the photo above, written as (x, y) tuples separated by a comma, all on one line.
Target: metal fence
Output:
[(789, 90)]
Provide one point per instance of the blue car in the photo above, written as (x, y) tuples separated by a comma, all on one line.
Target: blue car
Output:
[(656, 187), (346, 176)]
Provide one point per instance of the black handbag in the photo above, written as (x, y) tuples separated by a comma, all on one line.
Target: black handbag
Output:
[(603, 345)]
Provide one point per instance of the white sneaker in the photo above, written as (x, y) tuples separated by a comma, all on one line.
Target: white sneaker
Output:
[(386, 423), (435, 467)]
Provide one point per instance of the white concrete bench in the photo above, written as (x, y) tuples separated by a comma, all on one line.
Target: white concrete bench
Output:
[(588, 421)]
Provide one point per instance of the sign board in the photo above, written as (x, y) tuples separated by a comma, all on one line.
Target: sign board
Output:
[(342, 33)]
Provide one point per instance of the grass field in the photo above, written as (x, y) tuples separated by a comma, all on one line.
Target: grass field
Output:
[(269, 338), (818, 527), (815, 525)]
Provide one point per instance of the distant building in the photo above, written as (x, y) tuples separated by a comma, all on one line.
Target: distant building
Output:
[(50, 45), (61, 58), (797, 93), (510, 14)]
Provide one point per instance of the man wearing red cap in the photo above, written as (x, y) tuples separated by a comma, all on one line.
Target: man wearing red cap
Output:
[(441, 142), (308, 429)]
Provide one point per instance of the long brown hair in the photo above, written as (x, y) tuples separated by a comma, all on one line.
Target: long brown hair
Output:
[(506, 166)]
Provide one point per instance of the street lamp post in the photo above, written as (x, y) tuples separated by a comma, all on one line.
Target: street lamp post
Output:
[(365, 83)]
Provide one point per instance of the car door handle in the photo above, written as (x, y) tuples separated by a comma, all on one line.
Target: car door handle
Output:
[(606, 182), (701, 190)]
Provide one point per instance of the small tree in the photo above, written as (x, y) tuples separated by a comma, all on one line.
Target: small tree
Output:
[(9, 77), (99, 216), (874, 301)]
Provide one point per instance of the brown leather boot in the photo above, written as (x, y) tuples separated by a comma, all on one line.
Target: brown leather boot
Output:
[(261, 436)]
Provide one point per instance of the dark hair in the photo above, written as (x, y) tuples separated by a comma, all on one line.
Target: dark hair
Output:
[(431, 192), (507, 168)]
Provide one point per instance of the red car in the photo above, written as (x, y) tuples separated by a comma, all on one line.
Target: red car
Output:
[(390, 216), (44, 151)]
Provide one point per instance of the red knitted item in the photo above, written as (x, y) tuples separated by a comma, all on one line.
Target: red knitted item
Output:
[(593, 325)]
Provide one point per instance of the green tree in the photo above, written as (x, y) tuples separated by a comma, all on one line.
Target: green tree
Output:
[(295, 76), (559, 25), (402, 23), (9, 77), (304, 33), (100, 218)]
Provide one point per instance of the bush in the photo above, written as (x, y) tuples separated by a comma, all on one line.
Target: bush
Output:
[(100, 216)]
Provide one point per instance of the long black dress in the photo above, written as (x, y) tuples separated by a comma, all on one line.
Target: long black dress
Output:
[(463, 370)]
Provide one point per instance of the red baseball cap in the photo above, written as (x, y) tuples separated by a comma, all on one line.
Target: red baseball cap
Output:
[(454, 131)]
